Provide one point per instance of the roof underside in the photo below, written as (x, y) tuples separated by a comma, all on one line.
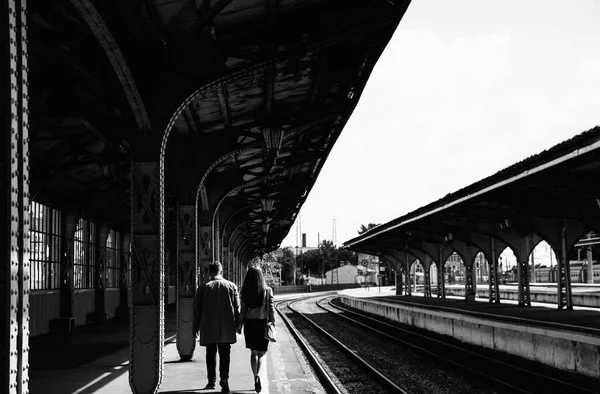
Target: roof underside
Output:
[(257, 92)]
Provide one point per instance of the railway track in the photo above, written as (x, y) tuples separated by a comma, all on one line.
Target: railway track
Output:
[(515, 378), (339, 368), (371, 355)]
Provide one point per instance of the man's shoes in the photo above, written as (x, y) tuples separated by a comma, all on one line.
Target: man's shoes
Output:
[(224, 386), (210, 385), (257, 385)]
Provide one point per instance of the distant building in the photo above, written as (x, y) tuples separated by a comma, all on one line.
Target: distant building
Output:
[(351, 274)]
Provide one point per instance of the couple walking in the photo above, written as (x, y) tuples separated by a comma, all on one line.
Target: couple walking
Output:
[(217, 317)]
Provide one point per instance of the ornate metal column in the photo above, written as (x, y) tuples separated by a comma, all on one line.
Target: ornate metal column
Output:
[(124, 277), (186, 280), (441, 284), (590, 264), (147, 277), (469, 285), (408, 286), (426, 279), (216, 241), (399, 282), (563, 285), (493, 275), (231, 262), (523, 272), (66, 320), (14, 191), (205, 249), (99, 315), (225, 262)]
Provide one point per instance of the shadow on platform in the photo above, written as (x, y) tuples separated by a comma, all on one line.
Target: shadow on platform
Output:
[(85, 361)]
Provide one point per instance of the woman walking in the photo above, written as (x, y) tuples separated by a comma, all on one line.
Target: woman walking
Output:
[(257, 310)]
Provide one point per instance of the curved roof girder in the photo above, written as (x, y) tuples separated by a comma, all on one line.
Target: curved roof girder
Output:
[(259, 145), (103, 35), (398, 265)]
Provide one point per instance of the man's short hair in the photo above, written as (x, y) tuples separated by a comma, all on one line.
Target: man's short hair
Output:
[(215, 268)]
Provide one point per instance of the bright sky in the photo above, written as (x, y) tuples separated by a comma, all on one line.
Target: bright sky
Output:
[(463, 89)]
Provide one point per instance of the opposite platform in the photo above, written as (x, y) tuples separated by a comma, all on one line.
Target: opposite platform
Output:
[(581, 319), (568, 340)]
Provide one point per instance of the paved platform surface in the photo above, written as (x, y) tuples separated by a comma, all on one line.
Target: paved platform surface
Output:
[(96, 360), (580, 319)]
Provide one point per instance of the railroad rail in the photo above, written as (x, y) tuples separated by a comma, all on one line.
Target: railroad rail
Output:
[(339, 374), (513, 377)]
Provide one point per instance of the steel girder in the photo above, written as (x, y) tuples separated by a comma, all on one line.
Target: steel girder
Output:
[(187, 274), (14, 189)]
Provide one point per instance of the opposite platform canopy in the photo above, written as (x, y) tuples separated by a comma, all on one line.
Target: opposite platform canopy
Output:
[(532, 196)]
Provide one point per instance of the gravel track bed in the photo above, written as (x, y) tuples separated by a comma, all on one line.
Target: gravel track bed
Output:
[(416, 372), (344, 372), (523, 380)]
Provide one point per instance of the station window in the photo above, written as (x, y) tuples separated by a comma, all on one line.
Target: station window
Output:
[(84, 264), (113, 259), (44, 245)]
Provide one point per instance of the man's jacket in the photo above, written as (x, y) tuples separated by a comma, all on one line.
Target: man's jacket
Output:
[(216, 311)]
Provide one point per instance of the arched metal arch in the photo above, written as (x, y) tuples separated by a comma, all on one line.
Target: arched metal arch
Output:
[(201, 193), (96, 24), (253, 182)]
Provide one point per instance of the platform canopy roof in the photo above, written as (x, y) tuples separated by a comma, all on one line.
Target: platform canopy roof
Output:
[(535, 196), (252, 95)]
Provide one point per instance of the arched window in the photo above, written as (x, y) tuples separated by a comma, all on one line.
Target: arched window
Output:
[(44, 247)]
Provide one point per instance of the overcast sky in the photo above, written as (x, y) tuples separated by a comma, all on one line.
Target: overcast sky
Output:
[(463, 89)]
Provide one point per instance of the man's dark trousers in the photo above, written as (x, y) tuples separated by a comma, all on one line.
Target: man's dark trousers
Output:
[(211, 360)]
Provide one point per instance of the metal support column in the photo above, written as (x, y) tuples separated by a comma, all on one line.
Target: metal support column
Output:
[(146, 319), (407, 288), (441, 284), (100, 315), (231, 263), (186, 280), (216, 241), (426, 279), (124, 277), (14, 198), (398, 282), (590, 265), (225, 261), (66, 321), (204, 249), (563, 285), (493, 275), (523, 272), (469, 286)]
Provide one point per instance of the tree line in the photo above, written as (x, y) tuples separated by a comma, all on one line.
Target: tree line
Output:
[(315, 262)]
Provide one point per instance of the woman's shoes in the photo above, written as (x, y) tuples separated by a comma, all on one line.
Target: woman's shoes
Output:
[(257, 386)]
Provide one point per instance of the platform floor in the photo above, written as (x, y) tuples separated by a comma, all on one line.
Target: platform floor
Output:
[(580, 319), (96, 360)]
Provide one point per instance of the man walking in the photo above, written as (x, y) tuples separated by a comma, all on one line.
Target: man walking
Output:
[(216, 316)]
